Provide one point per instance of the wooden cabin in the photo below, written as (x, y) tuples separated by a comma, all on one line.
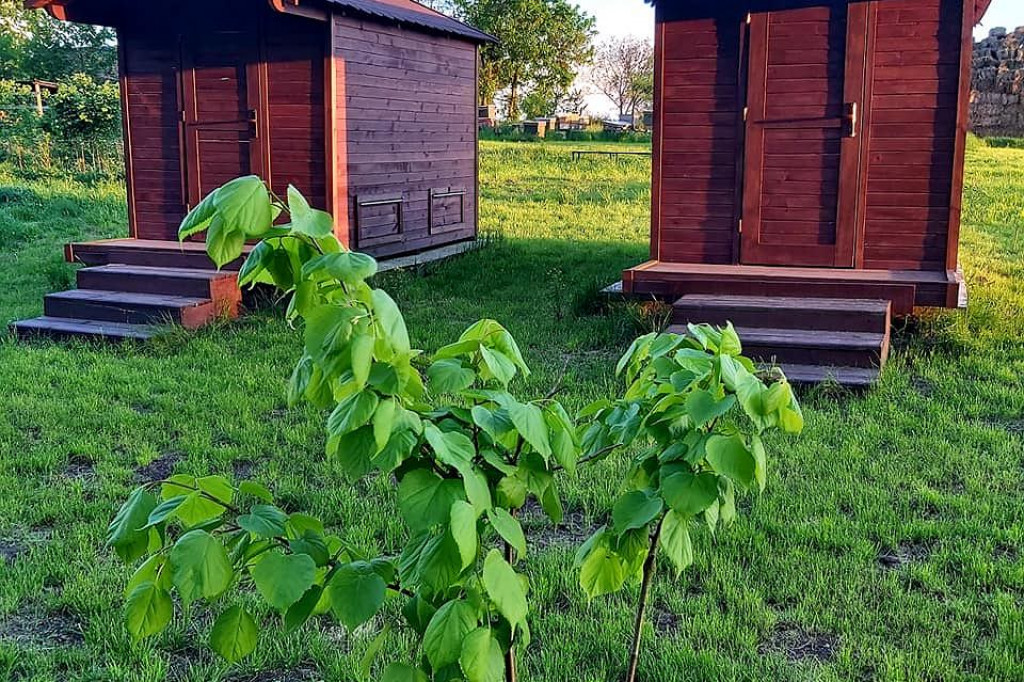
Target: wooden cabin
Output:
[(367, 106), (808, 170)]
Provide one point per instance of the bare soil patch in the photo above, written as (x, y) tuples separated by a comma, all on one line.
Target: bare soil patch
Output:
[(34, 627), (906, 553), (542, 533), (11, 549), (799, 644), (665, 622), (243, 469), (303, 673), (160, 468), (79, 468)]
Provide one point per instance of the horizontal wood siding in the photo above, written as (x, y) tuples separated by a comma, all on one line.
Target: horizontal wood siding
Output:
[(697, 125), (912, 133), (153, 147), (406, 133), (294, 51)]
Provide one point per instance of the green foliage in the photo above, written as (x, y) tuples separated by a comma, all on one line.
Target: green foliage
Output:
[(84, 109), (35, 45), (541, 46), (458, 443), (696, 410), (466, 452)]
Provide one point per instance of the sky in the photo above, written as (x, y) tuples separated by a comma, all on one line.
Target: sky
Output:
[(635, 17)]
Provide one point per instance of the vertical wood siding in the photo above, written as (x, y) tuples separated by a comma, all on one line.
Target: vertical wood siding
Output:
[(294, 53), (915, 71), (406, 127), (906, 184), (153, 144), (697, 124)]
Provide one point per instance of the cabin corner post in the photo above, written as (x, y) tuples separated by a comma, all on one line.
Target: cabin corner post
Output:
[(657, 137), (336, 135), (742, 74), (960, 144), (126, 135), (476, 142)]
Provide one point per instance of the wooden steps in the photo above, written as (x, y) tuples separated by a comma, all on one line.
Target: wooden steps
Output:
[(812, 339), (118, 301)]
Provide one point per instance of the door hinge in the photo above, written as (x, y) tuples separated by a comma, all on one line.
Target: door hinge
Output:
[(741, 226), (746, 113), (750, 18)]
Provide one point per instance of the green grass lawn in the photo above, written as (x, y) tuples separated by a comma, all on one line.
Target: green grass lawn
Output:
[(888, 545)]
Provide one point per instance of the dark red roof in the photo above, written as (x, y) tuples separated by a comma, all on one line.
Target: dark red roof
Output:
[(414, 14)]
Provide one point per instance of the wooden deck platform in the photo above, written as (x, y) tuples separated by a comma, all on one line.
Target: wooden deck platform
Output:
[(906, 289)]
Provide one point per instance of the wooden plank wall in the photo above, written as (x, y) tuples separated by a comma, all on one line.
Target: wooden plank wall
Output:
[(698, 125), (915, 78), (911, 135), (294, 52), (406, 127), (153, 148)]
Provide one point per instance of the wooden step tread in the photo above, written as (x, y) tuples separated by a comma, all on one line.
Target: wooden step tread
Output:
[(852, 305), (854, 377), (803, 338), (154, 271), (65, 327), (128, 299), (810, 338)]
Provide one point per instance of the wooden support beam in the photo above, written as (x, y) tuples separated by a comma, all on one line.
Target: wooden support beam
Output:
[(301, 10)]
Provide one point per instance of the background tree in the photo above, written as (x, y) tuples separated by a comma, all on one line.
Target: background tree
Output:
[(542, 45), (35, 45), (575, 101), (623, 70)]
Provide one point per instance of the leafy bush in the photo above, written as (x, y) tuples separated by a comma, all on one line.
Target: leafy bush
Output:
[(84, 109), (87, 148), (1004, 142), (466, 453), (18, 117)]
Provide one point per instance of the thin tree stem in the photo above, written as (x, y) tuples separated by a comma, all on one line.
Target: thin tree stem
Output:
[(511, 673), (645, 591)]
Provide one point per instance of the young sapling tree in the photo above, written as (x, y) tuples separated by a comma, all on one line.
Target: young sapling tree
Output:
[(693, 417)]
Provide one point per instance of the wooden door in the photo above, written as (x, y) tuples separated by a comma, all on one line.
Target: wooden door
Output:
[(804, 102), (221, 105)]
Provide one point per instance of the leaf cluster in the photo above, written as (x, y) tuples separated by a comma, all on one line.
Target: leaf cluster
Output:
[(695, 412), (467, 454)]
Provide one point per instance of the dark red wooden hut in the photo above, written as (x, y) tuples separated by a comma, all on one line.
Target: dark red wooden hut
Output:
[(367, 106), (808, 170)]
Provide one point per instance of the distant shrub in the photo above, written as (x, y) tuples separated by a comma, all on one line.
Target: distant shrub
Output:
[(1004, 142), (79, 133), (84, 109)]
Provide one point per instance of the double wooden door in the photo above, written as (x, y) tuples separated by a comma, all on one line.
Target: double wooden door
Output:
[(805, 92), (222, 98)]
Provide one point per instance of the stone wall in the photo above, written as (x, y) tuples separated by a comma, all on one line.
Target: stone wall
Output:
[(997, 84)]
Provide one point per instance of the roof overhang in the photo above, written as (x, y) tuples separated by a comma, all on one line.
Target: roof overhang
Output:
[(406, 12), (714, 6)]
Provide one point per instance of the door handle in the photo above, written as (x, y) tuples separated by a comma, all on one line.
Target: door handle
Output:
[(851, 118), (254, 121)]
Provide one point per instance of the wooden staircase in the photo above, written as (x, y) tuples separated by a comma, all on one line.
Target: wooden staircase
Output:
[(812, 339), (118, 301)]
